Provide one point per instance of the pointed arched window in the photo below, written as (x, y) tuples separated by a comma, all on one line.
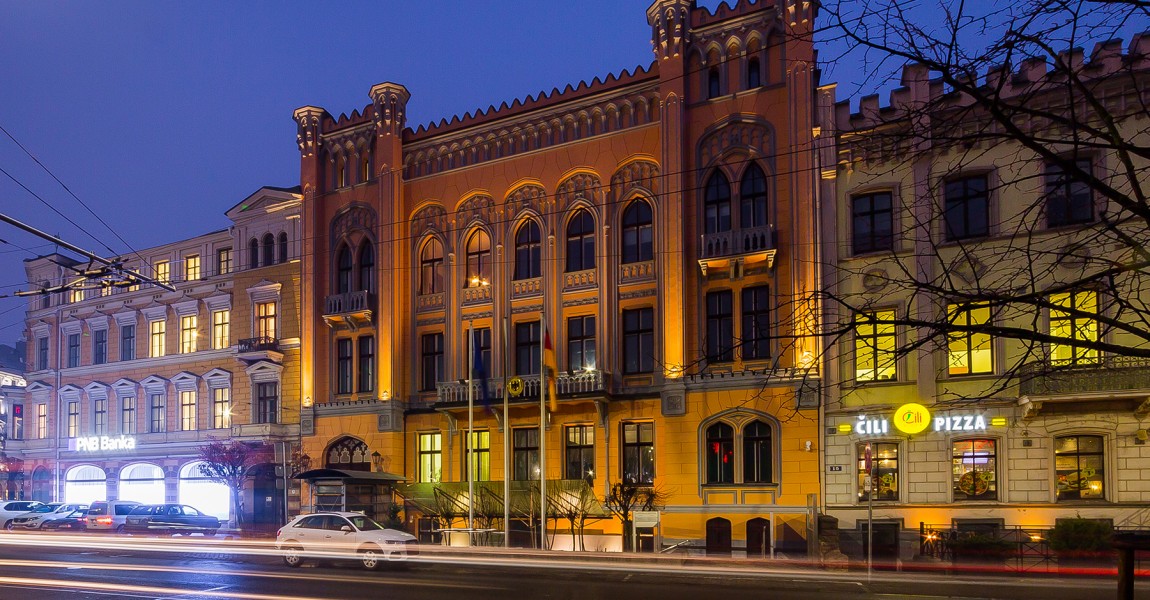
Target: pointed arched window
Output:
[(717, 204), (269, 249), (527, 248), (283, 247), (753, 198), (720, 453), (581, 242), (366, 266), (478, 259), (431, 268), (638, 233), (343, 270), (757, 453)]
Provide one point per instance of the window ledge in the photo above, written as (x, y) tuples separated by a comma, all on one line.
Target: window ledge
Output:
[(741, 486)]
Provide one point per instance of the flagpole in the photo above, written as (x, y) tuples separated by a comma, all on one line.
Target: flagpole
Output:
[(506, 447), (542, 431), (467, 450)]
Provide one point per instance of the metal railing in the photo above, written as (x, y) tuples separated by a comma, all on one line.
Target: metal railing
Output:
[(259, 344)]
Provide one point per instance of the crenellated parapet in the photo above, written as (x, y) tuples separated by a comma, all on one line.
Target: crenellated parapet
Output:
[(390, 102), (309, 128)]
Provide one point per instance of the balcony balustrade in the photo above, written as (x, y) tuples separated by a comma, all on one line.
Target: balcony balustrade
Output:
[(752, 244), (349, 309), (568, 384), (259, 348)]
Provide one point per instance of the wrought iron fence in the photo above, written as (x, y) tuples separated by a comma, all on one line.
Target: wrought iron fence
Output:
[(1013, 548)]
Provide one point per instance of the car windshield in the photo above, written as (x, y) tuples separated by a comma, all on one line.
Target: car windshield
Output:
[(364, 523), (47, 508)]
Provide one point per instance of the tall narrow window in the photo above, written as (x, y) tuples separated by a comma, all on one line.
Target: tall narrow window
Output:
[(479, 452), (366, 359), (99, 346), (1079, 467), (639, 453), (967, 208), (283, 247), (581, 343), (431, 371), (431, 268), (41, 421), (17, 421), (223, 261), (758, 453), (581, 242), (269, 250), (753, 198), (157, 415), (875, 346), (163, 271), (188, 334), (527, 248), (527, 348), (884, 461), (638, 233), (73, 350), (158, 331), (343, 270), (41, 353), (192, 267), (717, 204), (100, 412), (267, 402), (221, 408), (127, 342), (187, 410), (525, 454), (720, 453), (73, 423), (365, 166), (128, 415), (366, 279), (478, 259), (971, 352), (756, 340), (341, 179), (482, 348), (266, 326), (580, 452), (430, 457), (253, 253), (638, 341), (973, 470), (714, 88), (754, 75), (221, 329), (343, 366), (720, 326), (1073, 323), (872, 223), (1069, 200)]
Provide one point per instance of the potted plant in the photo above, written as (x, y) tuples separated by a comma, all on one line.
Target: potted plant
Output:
[(1079, 542), (981, 548)]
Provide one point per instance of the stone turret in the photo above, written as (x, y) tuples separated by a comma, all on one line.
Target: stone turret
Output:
[(390, 100), (670, 22)]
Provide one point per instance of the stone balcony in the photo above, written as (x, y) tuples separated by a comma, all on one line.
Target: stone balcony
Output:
[(265, 431), (1119, 383), (259, 348), (349, 310), (568, 384), (750, 245)]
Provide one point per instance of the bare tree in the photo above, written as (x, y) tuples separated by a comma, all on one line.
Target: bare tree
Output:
[(227, 462), (625, 498)]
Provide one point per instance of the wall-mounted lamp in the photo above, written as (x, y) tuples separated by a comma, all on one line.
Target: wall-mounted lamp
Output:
[(1141, 436), (377, 460), (807, 446), (307, 402), (386, 395)]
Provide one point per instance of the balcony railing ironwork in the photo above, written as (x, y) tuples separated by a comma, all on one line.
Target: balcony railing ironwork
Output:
[(259, 344), (568, 384), (736, 242), (1108, 374)]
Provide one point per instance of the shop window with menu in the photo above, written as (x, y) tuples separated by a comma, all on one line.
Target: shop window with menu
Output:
[(1078, 467), (973, 469), (884, 456)]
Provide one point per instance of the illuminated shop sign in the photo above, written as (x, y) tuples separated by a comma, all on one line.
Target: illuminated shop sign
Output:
[(103, 443), (915, 418)]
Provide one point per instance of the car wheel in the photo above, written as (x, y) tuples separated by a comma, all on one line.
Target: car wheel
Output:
[(293, 556), (9, 525), (210, 533), (119, 529), (371, 557)]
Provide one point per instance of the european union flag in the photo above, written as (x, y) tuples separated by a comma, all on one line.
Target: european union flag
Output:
[(479, 367)]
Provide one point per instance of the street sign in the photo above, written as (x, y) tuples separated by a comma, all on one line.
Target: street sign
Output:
[(868, 484), (645, 518)]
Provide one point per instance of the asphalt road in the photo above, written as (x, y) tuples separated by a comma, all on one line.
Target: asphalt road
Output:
[(45, 567)]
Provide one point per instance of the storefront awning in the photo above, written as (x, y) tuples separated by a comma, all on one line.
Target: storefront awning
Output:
[(353, 476)]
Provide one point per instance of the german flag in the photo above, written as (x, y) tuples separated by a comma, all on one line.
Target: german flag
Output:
[(550, 370)]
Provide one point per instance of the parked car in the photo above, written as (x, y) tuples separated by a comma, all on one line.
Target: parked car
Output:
[(76, 520), (15, 508), (168, 519), (343, 535), (109, 515), (44, 514)]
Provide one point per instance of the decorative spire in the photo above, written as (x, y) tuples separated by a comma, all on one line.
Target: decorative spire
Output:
[(308, 120), (670, 22), (390, 101)]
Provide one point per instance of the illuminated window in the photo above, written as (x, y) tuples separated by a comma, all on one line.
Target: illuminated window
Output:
[(1079, 467), (639, 453), (221, 408), (191, 267), (1072, 321), (970, 351), (431, 268), (580, 452), (75, 296), (188, 334), (266, 321), (525, 454), (717, 204), (479, 451), (884, 458), (581, 242), (41, 421), (100, 412), (156, 338), (527, 251), (17, 421), (73, 419), (187, 411), (638, 233), (973, 468), (221, 329), (1069, 201), (720, 445), (163, 271), (875, 346), (478, 259), (128, 415), (223, 261), (430, 457)]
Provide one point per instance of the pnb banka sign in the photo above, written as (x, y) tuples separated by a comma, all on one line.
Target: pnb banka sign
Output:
[(102, 443)]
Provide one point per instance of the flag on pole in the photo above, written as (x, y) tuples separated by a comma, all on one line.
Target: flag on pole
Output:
[(550, 369), (480, 368)]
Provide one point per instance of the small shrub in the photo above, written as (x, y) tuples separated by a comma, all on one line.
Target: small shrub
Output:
[(1080, 535), (981, 545)]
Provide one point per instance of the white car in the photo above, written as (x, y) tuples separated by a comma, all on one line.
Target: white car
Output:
[(14, 508), (44, 513), (343, 535)]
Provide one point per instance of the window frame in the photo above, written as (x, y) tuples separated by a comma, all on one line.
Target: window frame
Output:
[(1076, 325), (223, 261), (365, 364), (528, 338), (878, 349), (525, 453), (581, 344), (958, 460), (128, 415), (127, 342), (1060, 187), (99, 346), (221, 408), (874, 217), (1078, 454), (579, 451), (344, 366), (73, 350), (580, 241), (431, 361), (189, 325), (634, 452), (478, 259), (267, 402), (188, 410), (893, 493), (968, 343), (267, 320), (720, 326), (431, 268), (429, 456), (637, 337), (638, 232), (157, 338), (157, 413), (479, 451), (962, 201), (717, 204), (192, 270), (719, 453), (528, 251)]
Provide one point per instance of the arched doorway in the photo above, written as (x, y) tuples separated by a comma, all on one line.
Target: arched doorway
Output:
[(42, 484), (758, 537), (85, 484), (718, 536), (210, 497), (347, 454), (142, 482)]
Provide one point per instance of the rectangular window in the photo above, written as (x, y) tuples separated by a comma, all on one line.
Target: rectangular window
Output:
[(756, 342), (366, 359), (159, 330), (638, 341), (99, 346), (221, 329), (875, 346), (192, 267), (527, 348), (187, 410), (73, 350), (223, 261), (188, 334), (163, 271), (41, 421), (480, 453), (100, 423), (720, 326), (973, 467), (1079, 466), (525, 454), (431, 371), (17, 421), (221, 408), (970, 351), (343, 366), (128, 415), (1069, 201), (266, 320), (872, 223), (157, 415), (580, 452), (1072, 321), (41, 353), (430, 457), (967, 208), (267, 402), (73, 423), (75, 296), (127, 342), (884, 462), (482, 349), (639, 453), (580, 344)]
